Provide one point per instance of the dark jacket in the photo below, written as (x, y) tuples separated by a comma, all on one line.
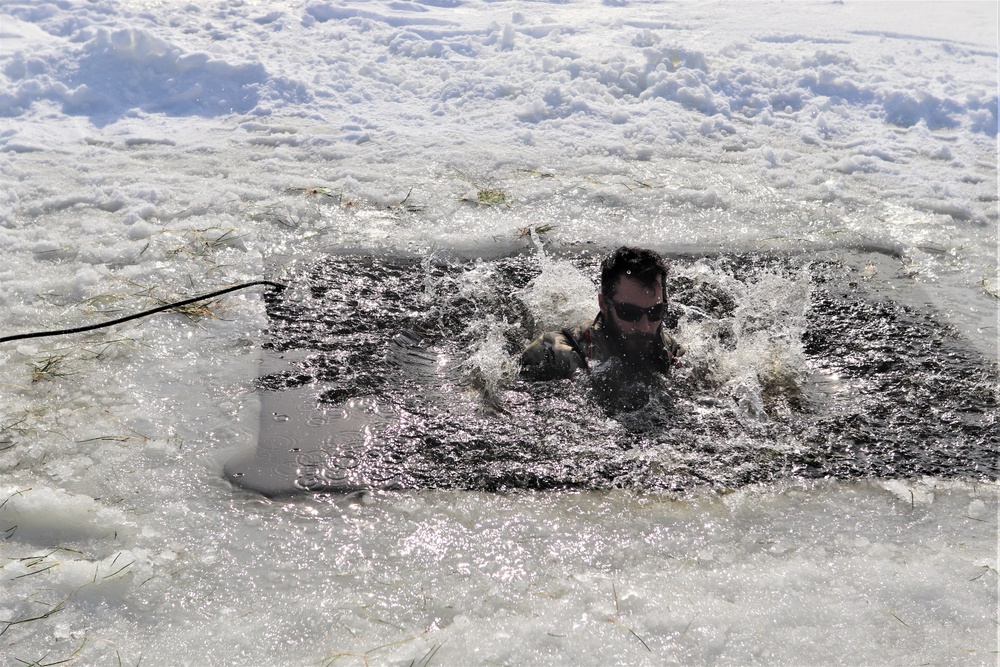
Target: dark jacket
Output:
[(558, 354)]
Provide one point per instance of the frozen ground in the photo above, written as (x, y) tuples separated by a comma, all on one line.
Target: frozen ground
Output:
[(152, 150)]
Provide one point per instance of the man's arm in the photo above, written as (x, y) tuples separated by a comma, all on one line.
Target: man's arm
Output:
[(672, 349), (552, 355)]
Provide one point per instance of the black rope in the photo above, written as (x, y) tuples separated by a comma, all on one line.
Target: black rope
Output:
[(169, 306)]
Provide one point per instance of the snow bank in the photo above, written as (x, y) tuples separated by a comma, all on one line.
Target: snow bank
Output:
[(106, 74)]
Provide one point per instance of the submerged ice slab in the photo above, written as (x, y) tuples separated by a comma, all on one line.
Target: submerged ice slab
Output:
[(320, 449)]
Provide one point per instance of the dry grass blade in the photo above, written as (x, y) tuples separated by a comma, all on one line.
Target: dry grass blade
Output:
[(632, 632), (41, 617), (411, 208), (31, 574), (892, 612), (685, 631), (136, 435), (16, 493), (119, 570), (98, 354), (39, 663), (364, 656), (164, 574), (315, 192), (426, 660), (372, 617), (535, 172)]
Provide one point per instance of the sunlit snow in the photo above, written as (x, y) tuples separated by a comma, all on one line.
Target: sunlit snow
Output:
[(151, 150)]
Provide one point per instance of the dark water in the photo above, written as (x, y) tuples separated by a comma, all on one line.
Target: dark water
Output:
[(369, 385)]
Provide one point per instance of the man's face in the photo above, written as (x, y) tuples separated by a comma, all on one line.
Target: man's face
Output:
[(638, 340)]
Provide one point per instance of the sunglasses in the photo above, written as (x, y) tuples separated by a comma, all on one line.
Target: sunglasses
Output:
[(632, 313)]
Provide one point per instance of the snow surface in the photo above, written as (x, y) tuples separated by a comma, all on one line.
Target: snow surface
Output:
[(154, 149)]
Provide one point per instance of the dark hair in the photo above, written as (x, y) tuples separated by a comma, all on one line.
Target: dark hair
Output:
[(637, 263)]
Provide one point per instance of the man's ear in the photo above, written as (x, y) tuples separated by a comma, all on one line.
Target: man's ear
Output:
[(603, 304)]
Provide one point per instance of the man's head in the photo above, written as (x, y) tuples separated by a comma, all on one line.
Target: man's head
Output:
[(633, 298)]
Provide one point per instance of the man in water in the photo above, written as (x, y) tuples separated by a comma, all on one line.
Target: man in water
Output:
[(626, 343)]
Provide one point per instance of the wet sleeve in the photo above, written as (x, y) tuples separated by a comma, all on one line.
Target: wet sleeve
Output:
[(550, 356)]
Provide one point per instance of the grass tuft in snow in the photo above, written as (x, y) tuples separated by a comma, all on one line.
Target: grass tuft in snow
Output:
[(404, 206), (202, 310), (533, 231), (49, 368), (205, 242), (17, 428), (493, 197)]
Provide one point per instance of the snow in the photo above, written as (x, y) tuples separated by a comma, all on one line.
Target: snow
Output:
[(153, 149)]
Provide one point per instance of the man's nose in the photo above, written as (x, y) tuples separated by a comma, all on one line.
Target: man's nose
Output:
[(646, 325)]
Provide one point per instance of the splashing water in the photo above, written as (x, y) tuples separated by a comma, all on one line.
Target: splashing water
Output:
[(785, 374)]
